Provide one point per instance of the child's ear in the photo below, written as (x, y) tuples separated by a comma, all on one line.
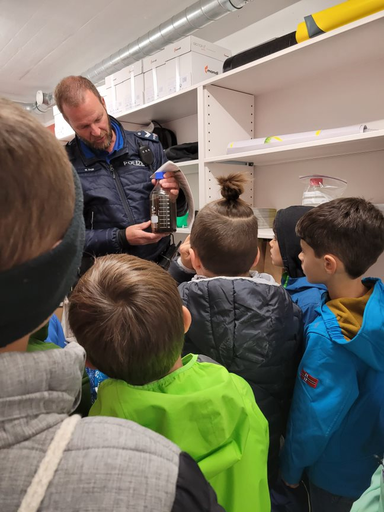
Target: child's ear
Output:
[(331, 264), (195, 260), (187, 319), (256, 258)]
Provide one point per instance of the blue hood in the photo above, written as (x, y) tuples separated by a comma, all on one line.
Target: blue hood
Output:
[(299, 284)]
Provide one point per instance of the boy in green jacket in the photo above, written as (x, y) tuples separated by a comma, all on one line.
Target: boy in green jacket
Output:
[(127, 313)]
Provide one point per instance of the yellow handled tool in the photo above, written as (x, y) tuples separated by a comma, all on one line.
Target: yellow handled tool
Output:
[(336, 16)]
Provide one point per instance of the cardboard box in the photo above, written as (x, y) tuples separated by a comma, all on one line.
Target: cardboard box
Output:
[(110, 98), (154, 76), (192, 60), (123, 101), (196, 45), (137, 90), (155, 84), (125, 89)]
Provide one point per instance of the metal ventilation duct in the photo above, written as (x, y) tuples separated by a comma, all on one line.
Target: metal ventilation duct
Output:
[(196, 16)]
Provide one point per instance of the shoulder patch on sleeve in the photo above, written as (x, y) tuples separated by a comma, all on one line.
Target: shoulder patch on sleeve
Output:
[(308, 379), (144, 135)]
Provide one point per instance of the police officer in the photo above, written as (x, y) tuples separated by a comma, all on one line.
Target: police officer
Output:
[(114, 166)]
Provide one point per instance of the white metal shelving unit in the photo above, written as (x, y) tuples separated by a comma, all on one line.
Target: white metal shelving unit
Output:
[(333, 80)]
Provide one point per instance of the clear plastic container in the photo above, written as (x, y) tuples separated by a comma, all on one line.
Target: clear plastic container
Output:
[(320, 189), (163, 208)]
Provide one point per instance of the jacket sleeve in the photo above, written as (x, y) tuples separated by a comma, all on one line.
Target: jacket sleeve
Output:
[(193, 492), (326, 387), (99, 242), (178, 273), (373, 498)]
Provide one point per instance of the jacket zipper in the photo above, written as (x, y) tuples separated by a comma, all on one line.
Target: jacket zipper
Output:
[(92, 217), (122, 195)]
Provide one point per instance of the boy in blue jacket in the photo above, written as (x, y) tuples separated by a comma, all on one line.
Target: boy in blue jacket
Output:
[(336, 421), (285, 250)]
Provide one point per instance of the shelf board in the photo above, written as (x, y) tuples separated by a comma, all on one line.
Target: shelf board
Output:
[(350, 45), (266, 234), (189, 167), (175, 106), (169, 108), (346, 145)]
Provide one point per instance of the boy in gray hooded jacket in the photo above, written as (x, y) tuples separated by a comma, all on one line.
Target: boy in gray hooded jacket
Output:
[(50, 461)]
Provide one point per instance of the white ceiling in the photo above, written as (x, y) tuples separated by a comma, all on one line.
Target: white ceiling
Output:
[(41, 41)]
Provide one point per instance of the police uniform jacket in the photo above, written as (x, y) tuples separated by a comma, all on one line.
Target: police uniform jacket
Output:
[(116, 190)]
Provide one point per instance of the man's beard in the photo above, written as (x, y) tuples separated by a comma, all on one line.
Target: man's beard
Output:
[(103, 146)]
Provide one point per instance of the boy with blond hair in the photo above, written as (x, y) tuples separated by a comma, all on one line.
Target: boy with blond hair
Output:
[(128, 315), (337, 415)]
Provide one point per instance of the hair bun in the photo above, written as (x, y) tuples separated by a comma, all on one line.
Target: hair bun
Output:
[(232, 186)]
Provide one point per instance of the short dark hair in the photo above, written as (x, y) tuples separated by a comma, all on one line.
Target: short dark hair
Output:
[(127, 314), (224, 234), (70, 91), (351, 228)]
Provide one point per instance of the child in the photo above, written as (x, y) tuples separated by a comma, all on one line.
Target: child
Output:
[(285, 250), (336, 422), (127, 314), (240, 318), (51, 461)]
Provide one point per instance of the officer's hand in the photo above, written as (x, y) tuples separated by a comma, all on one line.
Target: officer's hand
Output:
[(185, 253), (170, 183), (137, 236)]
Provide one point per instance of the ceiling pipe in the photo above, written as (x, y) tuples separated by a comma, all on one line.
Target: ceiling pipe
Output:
[(192, 18)]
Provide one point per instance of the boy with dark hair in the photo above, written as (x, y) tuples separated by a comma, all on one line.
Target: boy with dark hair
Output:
[(240, 318), (127, 314), (336, 422), (50, 460), (285, 250)]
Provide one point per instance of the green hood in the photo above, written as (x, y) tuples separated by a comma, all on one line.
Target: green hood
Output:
[(212, 415)]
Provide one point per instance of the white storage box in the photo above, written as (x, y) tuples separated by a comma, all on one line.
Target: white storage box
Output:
[(125, 89), (155, 78), (192, 60), (110, 98), (137, 90)]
